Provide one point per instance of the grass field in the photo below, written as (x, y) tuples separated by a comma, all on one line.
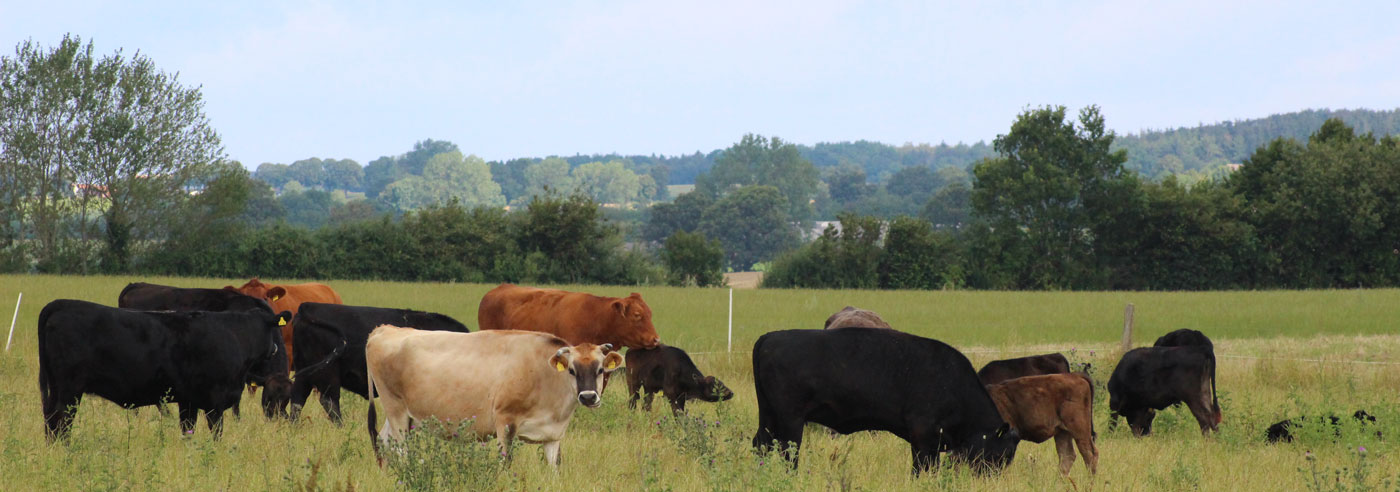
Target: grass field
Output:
[(1282, 354)]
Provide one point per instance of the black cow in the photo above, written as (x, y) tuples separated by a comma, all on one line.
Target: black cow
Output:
[(1184, 337), (1001, 370), (153, 297), (1281, 431), (669, 370), (330, 354), (1148, 379), (856, 379), (198, 359)]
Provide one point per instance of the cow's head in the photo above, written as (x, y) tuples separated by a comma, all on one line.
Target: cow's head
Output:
[(712, 389), (271, 370), (636, 329), (994, 450), (587, 364)]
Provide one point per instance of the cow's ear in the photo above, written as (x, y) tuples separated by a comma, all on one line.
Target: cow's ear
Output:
[(612, 361), (1001, 431), (276, 293), (636, 295), (283, 318), (560, 360), (620, 307)]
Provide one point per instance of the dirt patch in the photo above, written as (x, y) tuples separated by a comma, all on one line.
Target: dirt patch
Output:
[(743, 280)]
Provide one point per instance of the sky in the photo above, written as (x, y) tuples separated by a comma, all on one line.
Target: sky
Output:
[(288, 80)]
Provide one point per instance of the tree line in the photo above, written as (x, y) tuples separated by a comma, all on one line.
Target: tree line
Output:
[(1058, 209), (109, 165)]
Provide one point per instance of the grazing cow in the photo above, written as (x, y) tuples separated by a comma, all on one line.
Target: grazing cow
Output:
[(1185, 337), (153, 297), (1282, 431), (853, 316), (856, 379), (288, 298), (1001, 370), (574, 316), (198, 359), (1052, 405), (331, 348), (509, 383), (669, 370), (1148, 379)]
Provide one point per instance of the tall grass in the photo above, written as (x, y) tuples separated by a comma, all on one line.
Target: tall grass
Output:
[(615, 448)]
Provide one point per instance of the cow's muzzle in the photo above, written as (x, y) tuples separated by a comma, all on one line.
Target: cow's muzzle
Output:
[(589, 399)]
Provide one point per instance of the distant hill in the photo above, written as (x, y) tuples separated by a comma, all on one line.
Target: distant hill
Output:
[(1154, 153), (1204, 148)]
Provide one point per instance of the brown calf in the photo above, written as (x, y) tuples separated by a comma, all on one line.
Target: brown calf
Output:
[(1052, 405)]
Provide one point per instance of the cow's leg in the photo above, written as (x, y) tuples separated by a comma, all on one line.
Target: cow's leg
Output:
[(215, 419), (1205, 415), (925, 457), (677, 404), (237, 414), (646, 402), (505, 433), (1064, 446), (330, 400), (59, 410), (188, 416), (1089, 451), (301, 390), (553, 454)]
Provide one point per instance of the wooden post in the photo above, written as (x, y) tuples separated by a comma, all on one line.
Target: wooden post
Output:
[(1128, 327)]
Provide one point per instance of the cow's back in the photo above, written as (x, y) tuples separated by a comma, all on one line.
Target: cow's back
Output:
[(323, 328), (853, 317), (488, 372), (1001, 370), (884, 375), (557, 312)]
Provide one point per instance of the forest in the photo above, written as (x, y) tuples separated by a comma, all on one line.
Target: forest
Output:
[(1301, 200)]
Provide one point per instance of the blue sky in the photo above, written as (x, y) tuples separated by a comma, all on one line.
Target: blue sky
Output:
[(288, 80)]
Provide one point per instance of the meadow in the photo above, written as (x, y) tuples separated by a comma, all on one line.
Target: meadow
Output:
[(1281, 354)]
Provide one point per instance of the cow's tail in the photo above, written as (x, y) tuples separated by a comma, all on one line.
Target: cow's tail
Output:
[(1214, 395), (311, 369), (1085, 377), (45, 365), (373, 433)]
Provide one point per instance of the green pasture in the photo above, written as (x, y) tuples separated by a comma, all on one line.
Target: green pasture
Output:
[(1282, 354)]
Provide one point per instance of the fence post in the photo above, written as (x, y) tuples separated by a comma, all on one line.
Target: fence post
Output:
[(730, 346), (1128, 327), (12, 322)]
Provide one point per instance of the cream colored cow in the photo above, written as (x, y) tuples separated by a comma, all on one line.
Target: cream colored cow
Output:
[(514, 384)]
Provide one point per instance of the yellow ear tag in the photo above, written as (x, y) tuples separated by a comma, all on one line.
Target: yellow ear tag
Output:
[(281, 322), (559, 366), (612, 365), (276, 297)]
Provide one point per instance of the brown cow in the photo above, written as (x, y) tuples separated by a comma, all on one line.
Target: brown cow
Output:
[(288, 298), (1001, 370), (856, 317), (1052, 405), (574, 316)]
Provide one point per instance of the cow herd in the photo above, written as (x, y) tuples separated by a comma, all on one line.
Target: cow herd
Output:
[(540, 353)]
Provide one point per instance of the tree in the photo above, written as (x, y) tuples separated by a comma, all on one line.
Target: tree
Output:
[(756, 160), (693, 260), (380, 173), (752, 224), (917, 183), (917, 257), (950, 208), (682, 214), (274, 174), (1049, 186), (847, 184), (344, 174), (607, 182), (547, 174), (309, 172), (447, 176), (128, 137)]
